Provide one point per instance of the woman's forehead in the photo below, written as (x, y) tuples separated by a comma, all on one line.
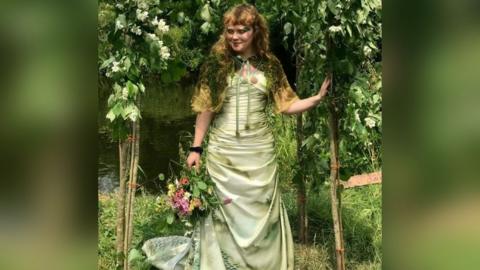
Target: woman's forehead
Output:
[(237, 26)]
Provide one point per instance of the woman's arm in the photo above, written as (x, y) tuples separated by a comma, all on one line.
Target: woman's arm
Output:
[(201, 127), (306, 104), (302, 105)]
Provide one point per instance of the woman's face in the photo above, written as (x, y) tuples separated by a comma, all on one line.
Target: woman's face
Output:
[(240, 38)]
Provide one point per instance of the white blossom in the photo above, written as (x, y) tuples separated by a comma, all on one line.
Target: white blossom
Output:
[(151, 36), (125, 93), (141, 15), (115, 66), (164, 52), (143, 5), (367, 50), (335, 28), (162, 26), (119, 6), (136, 30), (370, 122), (119, 24), (160, 44), (357, 116), (155, 21)]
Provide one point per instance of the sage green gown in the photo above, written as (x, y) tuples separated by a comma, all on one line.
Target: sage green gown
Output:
[(252, 231)]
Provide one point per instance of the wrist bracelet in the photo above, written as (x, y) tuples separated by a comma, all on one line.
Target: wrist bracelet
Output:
[(196, 149)]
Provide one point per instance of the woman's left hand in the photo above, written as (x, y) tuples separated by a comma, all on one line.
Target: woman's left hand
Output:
[(325, 86)]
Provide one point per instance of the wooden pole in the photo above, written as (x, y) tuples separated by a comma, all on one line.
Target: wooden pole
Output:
[(300, 177), (335, 192), (120, 227), (132, 183)]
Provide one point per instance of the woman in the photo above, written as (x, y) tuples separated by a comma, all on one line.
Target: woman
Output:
[(237, 81)]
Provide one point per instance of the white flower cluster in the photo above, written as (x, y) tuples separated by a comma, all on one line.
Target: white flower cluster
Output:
[(141, 15), (124, 93), (119, 25), (164, 51), (136, 30), (142, 4), (335, 28), (161, 25), (114, 68), (370, 122), (367, 50)]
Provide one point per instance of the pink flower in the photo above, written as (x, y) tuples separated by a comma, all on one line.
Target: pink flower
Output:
[(227, 200), (184, 181)]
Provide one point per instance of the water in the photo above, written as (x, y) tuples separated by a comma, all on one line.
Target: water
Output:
[(166, 114)]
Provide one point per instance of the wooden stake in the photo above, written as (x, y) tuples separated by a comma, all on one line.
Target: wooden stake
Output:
[(120, 227), (335, 192)]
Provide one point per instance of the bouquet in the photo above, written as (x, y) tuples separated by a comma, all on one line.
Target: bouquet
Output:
[(191, 197)]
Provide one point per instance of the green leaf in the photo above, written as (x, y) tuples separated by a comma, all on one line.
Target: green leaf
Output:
[(332, 7), (205, 13), (205, 27), (196, 192), (161, 177), (117, 109), (107, 62), (287, 28), (170, 218), (111, 116), (202, 185), (135, 255), (127, 63), (132, 88), (141, 87)]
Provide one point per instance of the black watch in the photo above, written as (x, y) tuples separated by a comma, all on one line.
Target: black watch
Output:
[(196, 149)]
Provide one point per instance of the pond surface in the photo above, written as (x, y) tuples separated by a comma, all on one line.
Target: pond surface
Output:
[(166, 115)]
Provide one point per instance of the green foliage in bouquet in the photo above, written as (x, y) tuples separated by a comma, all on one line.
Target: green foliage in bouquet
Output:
[(191, 197)]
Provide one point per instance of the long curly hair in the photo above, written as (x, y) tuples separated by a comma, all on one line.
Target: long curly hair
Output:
[(244, 14)]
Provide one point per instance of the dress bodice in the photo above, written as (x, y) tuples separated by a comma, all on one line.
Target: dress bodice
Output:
[(245, 101)]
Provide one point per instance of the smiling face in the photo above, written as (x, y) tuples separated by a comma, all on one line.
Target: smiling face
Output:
[(240, 38)]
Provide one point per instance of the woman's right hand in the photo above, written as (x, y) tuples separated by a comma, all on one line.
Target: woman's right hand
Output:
[(193, 159)]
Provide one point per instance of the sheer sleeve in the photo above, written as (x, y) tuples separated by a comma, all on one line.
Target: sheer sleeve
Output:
[(202, 99), (283, 94)]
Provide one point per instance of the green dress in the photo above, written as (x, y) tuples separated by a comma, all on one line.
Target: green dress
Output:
[(251, 231)]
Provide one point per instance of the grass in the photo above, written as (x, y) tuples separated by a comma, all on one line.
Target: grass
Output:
[(361, 209)]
